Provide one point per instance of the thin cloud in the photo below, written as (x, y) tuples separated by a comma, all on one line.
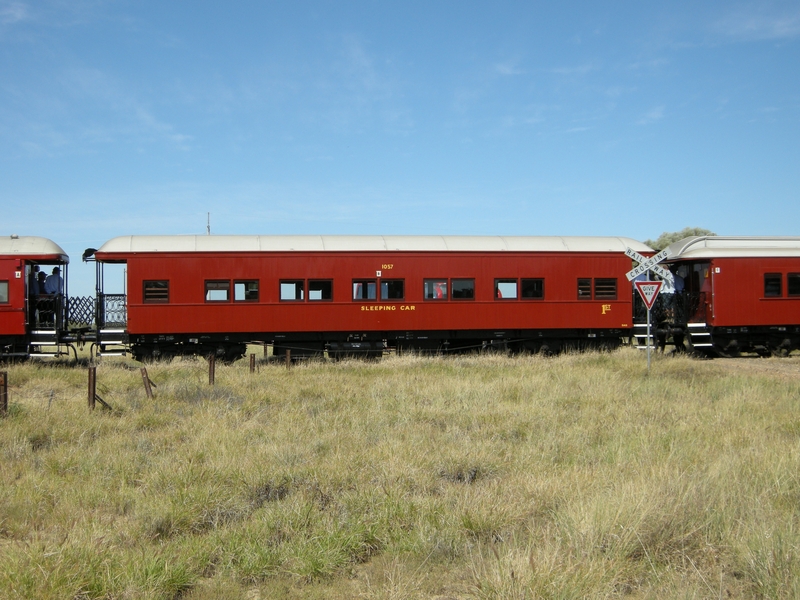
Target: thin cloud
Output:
[(648, 64), (131, 117), (579, 70), (508, 69), (653, 115), (13, 12), (756, 24)]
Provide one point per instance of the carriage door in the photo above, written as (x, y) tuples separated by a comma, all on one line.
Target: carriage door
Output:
[(30, 296), (699, 291), (12, 297)]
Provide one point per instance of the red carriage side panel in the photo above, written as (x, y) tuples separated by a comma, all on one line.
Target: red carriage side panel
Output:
[(755, 291), (190, 308), (12, 296)]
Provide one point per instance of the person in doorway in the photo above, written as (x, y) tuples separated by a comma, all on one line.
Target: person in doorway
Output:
[(54, 284), (53, 288), (44, 303)]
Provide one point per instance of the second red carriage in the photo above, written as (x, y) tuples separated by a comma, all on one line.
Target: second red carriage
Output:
[(363, 294)]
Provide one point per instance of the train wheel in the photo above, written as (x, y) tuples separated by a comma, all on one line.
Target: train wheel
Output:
[(234, 352), (142, 353)]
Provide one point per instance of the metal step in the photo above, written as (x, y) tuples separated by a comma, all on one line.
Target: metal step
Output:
[(640, 335), (700, 337)]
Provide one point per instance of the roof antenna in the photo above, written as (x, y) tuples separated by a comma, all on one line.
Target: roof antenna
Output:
[(208, 224)]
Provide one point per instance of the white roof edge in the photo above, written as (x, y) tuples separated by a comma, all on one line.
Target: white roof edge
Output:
[(366, 243), (29, 245), (734, 246)]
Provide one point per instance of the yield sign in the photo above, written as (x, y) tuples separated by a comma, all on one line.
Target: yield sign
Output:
[(648, 290)]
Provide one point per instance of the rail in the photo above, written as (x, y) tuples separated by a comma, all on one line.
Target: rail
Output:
[(112, 311), (47, 312)]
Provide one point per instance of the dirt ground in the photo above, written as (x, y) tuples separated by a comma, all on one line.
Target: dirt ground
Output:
[(784, 368)]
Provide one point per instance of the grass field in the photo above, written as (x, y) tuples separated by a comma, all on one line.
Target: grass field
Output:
[(578, 476)]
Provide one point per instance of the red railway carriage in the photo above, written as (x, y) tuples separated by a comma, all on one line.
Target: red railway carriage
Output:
[(345, 294), (31, 319), (739, 293)]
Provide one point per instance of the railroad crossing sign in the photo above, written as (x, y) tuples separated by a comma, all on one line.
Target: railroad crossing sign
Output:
[(649, 264), (648, 290)]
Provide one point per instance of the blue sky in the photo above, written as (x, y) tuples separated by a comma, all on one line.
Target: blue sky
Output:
[(486, 118)]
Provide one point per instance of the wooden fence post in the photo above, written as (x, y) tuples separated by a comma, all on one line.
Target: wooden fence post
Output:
[(147, 382), (3, 393), (288, 358), (212, 360), (92, 386), (252, 363), (93, 397)]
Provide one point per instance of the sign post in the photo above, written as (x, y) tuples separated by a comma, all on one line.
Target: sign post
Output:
[(649, 290)]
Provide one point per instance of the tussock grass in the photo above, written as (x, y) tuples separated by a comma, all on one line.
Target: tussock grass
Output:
[(475, 477)]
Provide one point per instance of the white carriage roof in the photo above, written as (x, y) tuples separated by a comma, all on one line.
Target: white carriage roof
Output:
[(32, 247), (739, 247), (365, 243)]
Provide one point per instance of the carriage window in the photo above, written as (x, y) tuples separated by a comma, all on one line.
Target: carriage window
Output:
[(772, 285), (793, 281), (156, 292), (605, 289), (3, 292), (245, 291), (434, 289), (392, 289), (584, 289), (218, 291), (533, 289), (463, 289), (364, 289), (292, 290), (505, 289), (320, 289)]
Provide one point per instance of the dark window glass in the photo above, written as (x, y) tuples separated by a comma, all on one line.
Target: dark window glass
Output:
[(793, 281), (772, 285), (434, 289), (605, 289), (292, 290), (218, 291), (156, 291), (463, 289), (533, 289), (365, 289), (584, 289), (505, 289), (320, 289), (245, 291), (3, 292), (392, 289)]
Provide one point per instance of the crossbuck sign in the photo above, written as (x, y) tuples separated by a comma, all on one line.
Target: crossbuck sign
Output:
[(649, 264)]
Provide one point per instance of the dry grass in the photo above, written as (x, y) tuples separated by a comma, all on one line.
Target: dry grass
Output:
[(475, 477)]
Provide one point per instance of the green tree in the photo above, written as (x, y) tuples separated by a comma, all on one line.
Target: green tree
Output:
[(667, 238)]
